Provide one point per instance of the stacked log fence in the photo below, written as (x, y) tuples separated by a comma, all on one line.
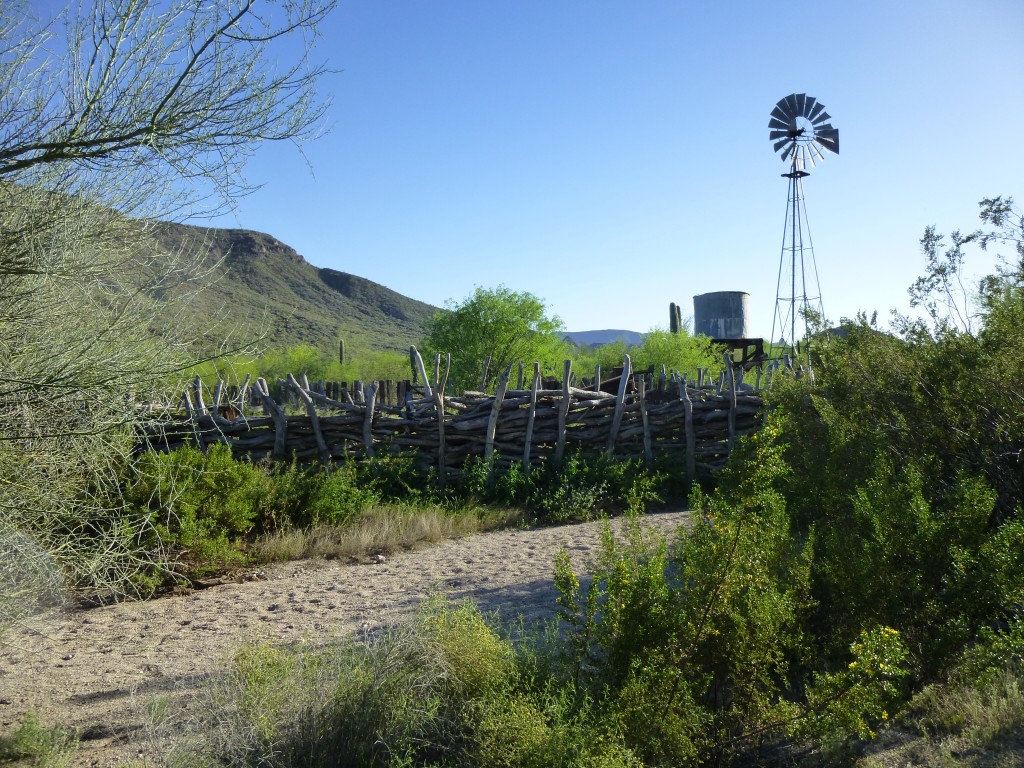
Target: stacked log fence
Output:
[(529, 420)]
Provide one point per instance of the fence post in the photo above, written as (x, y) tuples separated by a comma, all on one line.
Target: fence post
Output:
[(273, 410), (648, 450), (314, 420), (691, 438), (620, 402), (371, 402), (419, 367), (563, 413), (483, 376), (442, 468), (529, 419)]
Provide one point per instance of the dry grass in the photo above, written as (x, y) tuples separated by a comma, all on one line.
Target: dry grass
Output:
[(381, 530), (958, 727)]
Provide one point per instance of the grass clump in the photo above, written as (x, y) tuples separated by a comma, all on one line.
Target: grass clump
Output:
[(33, 744), (443, 690)]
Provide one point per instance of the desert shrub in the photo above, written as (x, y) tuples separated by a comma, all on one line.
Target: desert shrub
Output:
[(200, 503), (582, 488), (702, 648), (310, 496), (585, 486), (45, 747)]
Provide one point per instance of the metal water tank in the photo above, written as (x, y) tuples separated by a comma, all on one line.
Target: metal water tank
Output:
[(722, 314)]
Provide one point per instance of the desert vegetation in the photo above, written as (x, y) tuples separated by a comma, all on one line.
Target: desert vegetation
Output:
[(856, 569)]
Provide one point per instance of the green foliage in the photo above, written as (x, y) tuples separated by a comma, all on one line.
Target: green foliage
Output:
[(443, 690), (44, 747), (502, 324), (308, 496), (853, 699), (199, 502), (583, 487), (362, 363), (678, 352)]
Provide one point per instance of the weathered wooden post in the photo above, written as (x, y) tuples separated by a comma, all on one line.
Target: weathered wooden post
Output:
[(620, 403), (563, 414)]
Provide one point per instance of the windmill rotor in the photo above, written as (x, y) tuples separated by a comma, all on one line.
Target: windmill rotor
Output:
[(800, 130)]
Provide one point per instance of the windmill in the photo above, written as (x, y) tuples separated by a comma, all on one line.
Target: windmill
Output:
[(800, 131)]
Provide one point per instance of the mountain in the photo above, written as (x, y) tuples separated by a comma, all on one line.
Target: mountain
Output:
[(260, 286), (596, 338)]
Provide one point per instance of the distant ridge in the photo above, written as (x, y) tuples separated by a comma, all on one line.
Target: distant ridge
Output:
[(264, 287), (596, 338)]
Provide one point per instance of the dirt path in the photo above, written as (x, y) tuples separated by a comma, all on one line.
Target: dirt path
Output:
[(94, 669)]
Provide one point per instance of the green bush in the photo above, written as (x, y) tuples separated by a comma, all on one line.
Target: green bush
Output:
[(307, 496), (200, 503), (45, 747)]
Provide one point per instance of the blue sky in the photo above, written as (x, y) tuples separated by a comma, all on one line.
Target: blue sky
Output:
[(613, 157)]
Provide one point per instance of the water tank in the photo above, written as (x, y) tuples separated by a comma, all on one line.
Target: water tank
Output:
[(722, 314)]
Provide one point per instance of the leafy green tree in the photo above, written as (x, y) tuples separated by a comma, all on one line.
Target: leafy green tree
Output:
[(678, 352), (498, 325)]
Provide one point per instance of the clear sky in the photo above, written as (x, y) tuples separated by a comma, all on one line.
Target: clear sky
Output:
[(612, 157)]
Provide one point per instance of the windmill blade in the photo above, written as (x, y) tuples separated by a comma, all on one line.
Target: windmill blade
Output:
[(828, 138), (822, 118), (817, 110), (773, 135), (814, 148), (808, 155), (800, 98), (780, 113), (780, 144), (781, 125), (791, 104), (809, 106)]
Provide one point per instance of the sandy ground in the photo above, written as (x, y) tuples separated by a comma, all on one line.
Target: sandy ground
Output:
[(93, 669)]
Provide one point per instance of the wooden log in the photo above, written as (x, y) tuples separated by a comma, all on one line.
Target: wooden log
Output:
[(597, 377), (197, 388), (314, 420), (243, 393), (648, 451), (519, 378), (273, 410), (441, 448), (483, 376), (418, 366), (492, 422), (563, 412), (691, 437), (528, 440), (620, 400), (732, 400), (371, 401)]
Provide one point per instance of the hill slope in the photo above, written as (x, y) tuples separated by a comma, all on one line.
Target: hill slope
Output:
[(262, 287), (596, 338)]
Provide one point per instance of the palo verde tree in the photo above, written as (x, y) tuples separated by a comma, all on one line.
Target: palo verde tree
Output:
[(498, 327), (113, 113)]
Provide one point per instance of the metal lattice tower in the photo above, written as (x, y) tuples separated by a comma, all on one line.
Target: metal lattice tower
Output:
[(800, 131)]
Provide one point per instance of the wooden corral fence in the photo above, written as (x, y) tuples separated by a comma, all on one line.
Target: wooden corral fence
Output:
[(698, 421)]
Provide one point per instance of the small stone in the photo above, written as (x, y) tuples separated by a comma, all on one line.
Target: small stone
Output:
[(378, 559)]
